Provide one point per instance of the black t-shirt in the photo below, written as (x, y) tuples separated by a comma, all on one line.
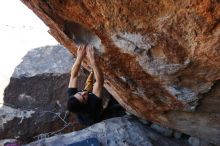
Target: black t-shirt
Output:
[(91, 109)]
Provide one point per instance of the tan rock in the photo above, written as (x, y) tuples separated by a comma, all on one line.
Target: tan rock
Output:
[(160, 58)]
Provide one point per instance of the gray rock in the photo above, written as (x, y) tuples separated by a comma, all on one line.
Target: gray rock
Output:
[(177, 134), (121, 131), (40, 79), (194, 141), (145, 121), (165, 131), (45, 60)]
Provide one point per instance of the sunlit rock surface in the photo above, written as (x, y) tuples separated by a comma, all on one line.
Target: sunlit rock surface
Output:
[(161, 59)]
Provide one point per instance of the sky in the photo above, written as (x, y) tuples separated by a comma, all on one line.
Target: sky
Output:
[(20, 31)]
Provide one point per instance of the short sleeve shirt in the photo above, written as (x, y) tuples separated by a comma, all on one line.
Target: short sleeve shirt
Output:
[(91, 109)]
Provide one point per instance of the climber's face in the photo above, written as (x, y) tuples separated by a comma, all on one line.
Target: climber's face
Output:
[(82, 96)]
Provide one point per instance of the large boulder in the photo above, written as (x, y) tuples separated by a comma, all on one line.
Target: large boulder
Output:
[(41, 79), (121, 131), (161, 59), (35, 99)]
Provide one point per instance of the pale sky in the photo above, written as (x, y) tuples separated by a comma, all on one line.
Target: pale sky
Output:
[(20, 31)]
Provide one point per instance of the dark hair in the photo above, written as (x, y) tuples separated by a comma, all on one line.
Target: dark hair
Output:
[(74, 105)]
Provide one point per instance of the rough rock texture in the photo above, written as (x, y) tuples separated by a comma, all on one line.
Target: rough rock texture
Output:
[(121, 131), (193, 141), (35, 99), (162, 130), (160, 58), (40, 79)]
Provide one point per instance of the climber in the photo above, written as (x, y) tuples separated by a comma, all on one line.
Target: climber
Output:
[(87, 104)]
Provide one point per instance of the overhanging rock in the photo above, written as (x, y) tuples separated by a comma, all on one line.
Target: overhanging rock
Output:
[(160, 58)]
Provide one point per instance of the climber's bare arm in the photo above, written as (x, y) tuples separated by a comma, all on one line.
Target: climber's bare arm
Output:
[(97, 88), (76, 66)]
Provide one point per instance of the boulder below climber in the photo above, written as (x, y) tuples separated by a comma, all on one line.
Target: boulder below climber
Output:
[(121, 131)]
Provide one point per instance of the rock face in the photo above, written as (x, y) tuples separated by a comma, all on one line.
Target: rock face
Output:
[(160, 58), (40, 79), (121, 131), (35, 99)]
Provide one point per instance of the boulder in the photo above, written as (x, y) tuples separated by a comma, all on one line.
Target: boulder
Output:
[(162, 130), (35, 99), (121, 131), (41, 79), (193, 141), (177, 134), (161, 59)]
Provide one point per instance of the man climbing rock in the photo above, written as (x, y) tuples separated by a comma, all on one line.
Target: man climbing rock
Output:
[(87, 103)]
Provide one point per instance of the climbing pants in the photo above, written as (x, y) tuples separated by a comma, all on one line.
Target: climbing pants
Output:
[(89, 82)]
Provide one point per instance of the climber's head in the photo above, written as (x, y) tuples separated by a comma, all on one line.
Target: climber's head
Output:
[(77, 101), (82, 96)]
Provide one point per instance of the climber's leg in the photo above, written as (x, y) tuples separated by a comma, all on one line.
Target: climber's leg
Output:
[(89, 82)]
